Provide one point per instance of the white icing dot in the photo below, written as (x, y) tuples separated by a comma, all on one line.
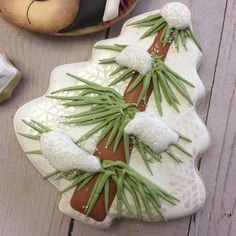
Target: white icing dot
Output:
[(176, 14), (64, 155), (135, 58), (152, 131)]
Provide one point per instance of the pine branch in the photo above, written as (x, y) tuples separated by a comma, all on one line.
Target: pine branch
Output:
[(156, 23)]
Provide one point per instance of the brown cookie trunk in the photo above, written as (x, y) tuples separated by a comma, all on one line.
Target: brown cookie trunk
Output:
[(80, 197)]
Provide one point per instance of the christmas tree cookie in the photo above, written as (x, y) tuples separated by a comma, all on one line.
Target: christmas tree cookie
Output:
[(118, 135)]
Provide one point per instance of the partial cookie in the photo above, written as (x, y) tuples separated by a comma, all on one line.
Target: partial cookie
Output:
[(9, 78), (40, 16), (63, 17)]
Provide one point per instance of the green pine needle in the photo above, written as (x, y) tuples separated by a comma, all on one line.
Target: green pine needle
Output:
[(107, 60), (36, 152), (147, 154), (49, 175), (30, 136), (108, 110), (115, 47)]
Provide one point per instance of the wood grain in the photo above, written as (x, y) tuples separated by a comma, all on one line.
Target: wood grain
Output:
[(28, 205), (219, 215)]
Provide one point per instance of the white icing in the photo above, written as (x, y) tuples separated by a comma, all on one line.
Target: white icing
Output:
[(111, 10), (135, 58), (64, 155), (152, 131), (176, 14)]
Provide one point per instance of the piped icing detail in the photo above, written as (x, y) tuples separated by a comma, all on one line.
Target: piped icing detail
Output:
[(176, 14), (121, 173), (152, 131), (172, 22), (135, 58), (159, 75), (64, 155), (111, 114)]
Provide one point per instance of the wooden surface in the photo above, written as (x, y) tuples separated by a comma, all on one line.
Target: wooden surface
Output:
[(28, 204)]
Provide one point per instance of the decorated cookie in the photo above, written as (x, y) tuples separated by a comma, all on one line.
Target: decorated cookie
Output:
[(9, 78), (66, 17), (119, 135)]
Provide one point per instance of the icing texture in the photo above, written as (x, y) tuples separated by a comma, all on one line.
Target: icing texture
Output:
[(152, 131), (176, 14), (135, 58), (64, 155)]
